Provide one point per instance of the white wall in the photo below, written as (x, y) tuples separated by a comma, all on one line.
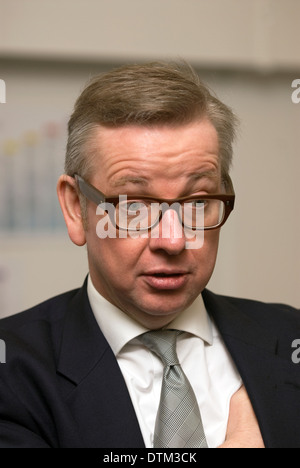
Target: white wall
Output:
[(45, 61), (242, 33)]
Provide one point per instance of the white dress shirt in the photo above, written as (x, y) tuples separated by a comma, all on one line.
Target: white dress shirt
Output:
[(201, 352)]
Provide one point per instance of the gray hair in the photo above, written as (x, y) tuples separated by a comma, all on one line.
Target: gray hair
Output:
[(151, 94)]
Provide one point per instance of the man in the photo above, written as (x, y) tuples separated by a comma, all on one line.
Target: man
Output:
[(147, 189)]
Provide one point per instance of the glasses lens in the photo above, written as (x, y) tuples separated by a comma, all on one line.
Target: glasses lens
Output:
[(137, 215), (203, 214), (134, 215)]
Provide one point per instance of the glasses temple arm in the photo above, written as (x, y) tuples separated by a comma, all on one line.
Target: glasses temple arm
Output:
[(90, 192)]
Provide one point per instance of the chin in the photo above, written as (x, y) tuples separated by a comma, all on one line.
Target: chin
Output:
[(166, 307)]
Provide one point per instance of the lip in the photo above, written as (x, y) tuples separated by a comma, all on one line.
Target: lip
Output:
[(166, 279)]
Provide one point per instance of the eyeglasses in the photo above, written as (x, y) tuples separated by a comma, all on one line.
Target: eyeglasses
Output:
[(138, 213)]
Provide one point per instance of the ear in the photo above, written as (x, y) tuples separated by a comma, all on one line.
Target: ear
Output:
[(70, 205)]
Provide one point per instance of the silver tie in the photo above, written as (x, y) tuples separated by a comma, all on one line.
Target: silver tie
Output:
[(178, 421)]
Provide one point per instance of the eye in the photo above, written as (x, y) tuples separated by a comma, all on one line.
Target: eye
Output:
[(199, 204), (133, 206)]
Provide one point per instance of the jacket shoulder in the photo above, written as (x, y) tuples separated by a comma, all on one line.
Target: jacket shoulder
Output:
[(275, 317), (36, 332), (51, 310)]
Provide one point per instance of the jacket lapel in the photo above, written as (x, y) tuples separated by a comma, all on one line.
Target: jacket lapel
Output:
[(95, 390), (272, 382)]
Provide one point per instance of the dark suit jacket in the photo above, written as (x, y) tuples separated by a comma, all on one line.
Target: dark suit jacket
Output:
[(62, 387)]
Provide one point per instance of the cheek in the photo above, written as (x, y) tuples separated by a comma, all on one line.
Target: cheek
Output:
[(212, 239), (205, 258), (211, 244), (115, 260)]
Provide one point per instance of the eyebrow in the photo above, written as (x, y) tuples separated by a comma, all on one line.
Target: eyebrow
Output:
[(144, 180), (130, 179), (204, 175)]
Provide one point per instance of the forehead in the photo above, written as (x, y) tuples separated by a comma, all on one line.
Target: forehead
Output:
[(131, 153)]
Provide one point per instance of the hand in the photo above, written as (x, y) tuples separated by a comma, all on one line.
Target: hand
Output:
[(242, 429)]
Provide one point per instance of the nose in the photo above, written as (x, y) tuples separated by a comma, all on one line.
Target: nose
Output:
[(168, 235)]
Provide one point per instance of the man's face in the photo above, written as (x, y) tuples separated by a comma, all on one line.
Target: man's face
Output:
[(154, 279)]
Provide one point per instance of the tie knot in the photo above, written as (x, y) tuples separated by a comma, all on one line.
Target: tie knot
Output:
[(162, 343)]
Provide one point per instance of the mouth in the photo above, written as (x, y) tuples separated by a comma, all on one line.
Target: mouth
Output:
[(166, 279)]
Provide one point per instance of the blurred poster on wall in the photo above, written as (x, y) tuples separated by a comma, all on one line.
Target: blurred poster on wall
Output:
[(31, 159)]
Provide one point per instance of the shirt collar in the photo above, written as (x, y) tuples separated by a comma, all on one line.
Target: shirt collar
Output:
[(118, 328)]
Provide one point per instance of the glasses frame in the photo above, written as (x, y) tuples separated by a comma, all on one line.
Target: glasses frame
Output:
[(97, 197)]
